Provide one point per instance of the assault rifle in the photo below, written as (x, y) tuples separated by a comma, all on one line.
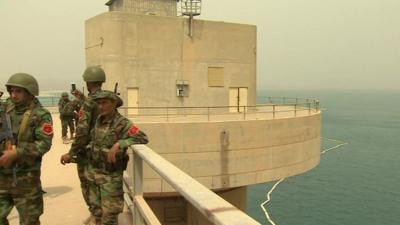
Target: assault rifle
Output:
[(7, 136), (116, 89), (6, 129)]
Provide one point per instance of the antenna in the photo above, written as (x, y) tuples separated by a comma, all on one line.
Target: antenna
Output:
[(191, 8)]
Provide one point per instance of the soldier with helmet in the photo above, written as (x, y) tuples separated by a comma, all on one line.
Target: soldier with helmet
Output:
[(111, 136), (21, 157), (94, 77), (66, 116)]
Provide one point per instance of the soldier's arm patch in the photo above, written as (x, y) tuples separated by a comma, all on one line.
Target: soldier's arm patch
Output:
[(80, 114), (47, 129), (133, 130)]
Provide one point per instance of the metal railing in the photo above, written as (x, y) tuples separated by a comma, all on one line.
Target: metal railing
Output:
[(272, 107), (47, 101), (213, 207)]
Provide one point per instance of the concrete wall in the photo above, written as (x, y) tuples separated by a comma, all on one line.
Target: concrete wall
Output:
[(235, 153), (153, 52)]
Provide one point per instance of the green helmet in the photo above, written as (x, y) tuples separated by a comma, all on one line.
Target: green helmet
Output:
[(108, 95), (23, 80), (94, 74), (64, 94)]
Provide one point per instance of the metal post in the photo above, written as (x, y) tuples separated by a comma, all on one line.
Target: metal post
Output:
[(137, 185), (309, 107), (295, 109), (191, 26), (273, 111), (167, 114)]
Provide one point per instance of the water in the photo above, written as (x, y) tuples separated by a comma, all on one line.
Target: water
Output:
[(358, 184)]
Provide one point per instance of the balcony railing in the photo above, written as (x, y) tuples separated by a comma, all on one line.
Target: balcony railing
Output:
[(213, 207), (272, 107)]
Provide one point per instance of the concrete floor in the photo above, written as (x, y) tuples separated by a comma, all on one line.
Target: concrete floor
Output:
[(63, 202)]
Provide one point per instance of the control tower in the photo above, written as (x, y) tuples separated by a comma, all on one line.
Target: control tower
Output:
[(191, 86)]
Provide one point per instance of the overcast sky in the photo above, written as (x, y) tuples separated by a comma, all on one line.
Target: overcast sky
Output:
[(302, 44)]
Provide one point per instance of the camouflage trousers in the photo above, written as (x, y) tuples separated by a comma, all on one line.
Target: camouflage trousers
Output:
[(81, 167), (106, 192), (67, 121), (26, 196)]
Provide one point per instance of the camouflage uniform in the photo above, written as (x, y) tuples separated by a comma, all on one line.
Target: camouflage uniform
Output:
[(66, 117), (93, 75), (20, 185), (106, 178), (87, 118), (72, 108)]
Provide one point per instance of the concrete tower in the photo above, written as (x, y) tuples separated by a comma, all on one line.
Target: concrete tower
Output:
[(191, 86)]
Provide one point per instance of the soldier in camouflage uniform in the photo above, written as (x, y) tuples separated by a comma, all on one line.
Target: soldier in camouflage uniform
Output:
[(66, 117), (94, 77), (20, 163), (73, 108), (110, 138)]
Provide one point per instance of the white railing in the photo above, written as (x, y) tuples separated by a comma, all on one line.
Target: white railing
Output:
[(212, 206)]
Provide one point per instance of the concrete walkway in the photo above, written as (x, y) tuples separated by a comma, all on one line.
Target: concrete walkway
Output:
[(63, 202)]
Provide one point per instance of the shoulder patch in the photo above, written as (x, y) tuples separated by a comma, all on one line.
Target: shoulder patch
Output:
[(47, 129), (133, 130), (80, 114)]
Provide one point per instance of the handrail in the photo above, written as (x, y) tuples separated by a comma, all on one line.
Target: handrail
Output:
[(213, 207), (268, 101), (275, 107)]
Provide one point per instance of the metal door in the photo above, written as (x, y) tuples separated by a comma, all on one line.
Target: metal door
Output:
[(237, 99), (242, 99), (233, 99), (133, 94)]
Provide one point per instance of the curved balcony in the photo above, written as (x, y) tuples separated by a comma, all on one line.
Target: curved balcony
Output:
[(224, 149)]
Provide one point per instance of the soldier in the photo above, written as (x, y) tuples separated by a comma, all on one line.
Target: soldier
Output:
[(94, 77), (110, 138), (73, 108), (66, 117), (20, 163)]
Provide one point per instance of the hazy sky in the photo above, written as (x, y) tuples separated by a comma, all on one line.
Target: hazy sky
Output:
[(352, 44)]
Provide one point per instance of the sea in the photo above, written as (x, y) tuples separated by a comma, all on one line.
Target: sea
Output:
[(356, 184)]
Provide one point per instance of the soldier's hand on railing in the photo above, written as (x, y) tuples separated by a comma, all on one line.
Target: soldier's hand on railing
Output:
[(9, 157)]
